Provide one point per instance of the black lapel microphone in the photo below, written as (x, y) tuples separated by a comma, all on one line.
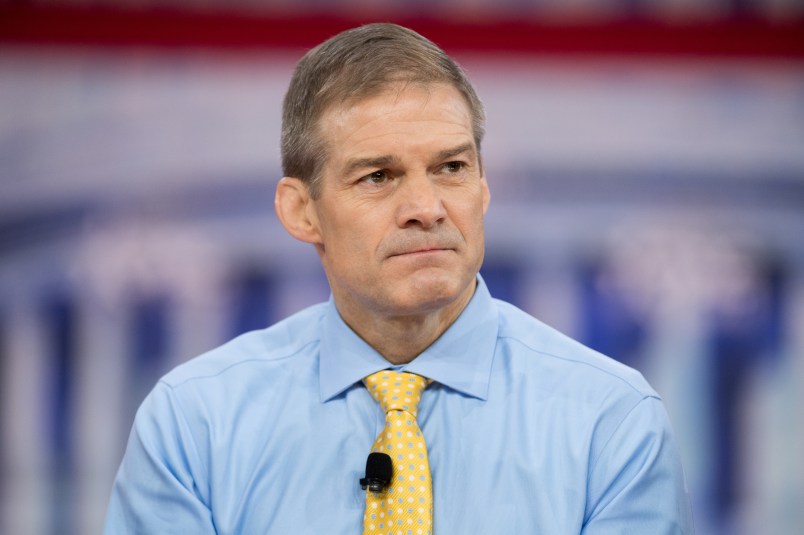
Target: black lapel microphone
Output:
[(379, 470)]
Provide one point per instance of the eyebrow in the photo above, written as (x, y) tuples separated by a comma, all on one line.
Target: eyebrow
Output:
[(356, 164), (451, 153)]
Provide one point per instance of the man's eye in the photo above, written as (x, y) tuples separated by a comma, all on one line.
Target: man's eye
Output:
[(454, 167), (377, 177)]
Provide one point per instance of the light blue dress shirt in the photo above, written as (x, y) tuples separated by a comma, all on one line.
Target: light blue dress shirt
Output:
[(528, 432)]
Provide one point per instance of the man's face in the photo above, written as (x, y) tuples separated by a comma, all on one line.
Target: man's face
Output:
[(403, 196)]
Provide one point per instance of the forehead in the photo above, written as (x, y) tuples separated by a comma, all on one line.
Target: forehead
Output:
[(400, 114), (430, 98)]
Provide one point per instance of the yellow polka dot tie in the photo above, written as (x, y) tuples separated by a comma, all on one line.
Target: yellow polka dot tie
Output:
[(405, 507)]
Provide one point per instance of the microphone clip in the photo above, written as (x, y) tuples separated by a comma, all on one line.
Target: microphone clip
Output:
[(379, 470), (374, 485)]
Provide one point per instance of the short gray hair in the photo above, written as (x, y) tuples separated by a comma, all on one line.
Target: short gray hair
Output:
[(353, 65)]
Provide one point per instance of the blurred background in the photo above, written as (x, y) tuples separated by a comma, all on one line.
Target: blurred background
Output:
[(646, 163)]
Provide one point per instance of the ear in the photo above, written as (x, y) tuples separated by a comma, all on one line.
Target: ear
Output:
[(486, 193), (294, 208)]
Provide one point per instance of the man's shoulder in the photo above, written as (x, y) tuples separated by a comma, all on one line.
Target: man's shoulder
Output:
[(271, 346), (533, 344)]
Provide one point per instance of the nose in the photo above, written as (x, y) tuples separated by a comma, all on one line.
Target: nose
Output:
[(420, 203)]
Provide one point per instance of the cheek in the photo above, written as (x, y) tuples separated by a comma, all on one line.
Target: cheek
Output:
[(348, 241), (477, 239), (470, 221)]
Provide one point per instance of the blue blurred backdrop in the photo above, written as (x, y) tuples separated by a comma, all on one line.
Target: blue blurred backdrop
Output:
[(646, 163)]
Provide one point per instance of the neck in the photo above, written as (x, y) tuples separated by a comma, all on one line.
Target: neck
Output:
[(400, 338)]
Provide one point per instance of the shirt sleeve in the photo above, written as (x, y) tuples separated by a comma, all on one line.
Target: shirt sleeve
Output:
[(159, 488), (636, 485)]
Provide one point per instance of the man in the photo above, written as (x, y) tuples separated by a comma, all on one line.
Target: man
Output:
[(518, 428)]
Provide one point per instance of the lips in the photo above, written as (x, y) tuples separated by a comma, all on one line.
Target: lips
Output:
[(412, 243), (421, 250), (402, 248)]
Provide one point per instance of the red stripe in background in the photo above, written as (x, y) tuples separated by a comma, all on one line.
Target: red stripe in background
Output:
[(186, 29)]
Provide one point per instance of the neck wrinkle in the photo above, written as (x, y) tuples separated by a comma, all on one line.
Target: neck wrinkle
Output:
[(401, 339)]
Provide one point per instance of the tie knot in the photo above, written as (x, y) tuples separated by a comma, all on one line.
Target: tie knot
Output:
[(397, 390)]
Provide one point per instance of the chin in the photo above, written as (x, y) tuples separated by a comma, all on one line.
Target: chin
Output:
[(431, 293)]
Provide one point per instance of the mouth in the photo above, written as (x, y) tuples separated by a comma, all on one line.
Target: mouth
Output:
[(422, 245), (423, 251)]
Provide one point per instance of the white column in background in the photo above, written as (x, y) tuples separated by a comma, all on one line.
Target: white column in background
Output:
[(100, 429), (784, 480), (551, 292), (26, 492), (199, 322), (676, 365)]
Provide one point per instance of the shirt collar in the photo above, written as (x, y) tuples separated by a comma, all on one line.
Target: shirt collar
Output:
[(460, 359)]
